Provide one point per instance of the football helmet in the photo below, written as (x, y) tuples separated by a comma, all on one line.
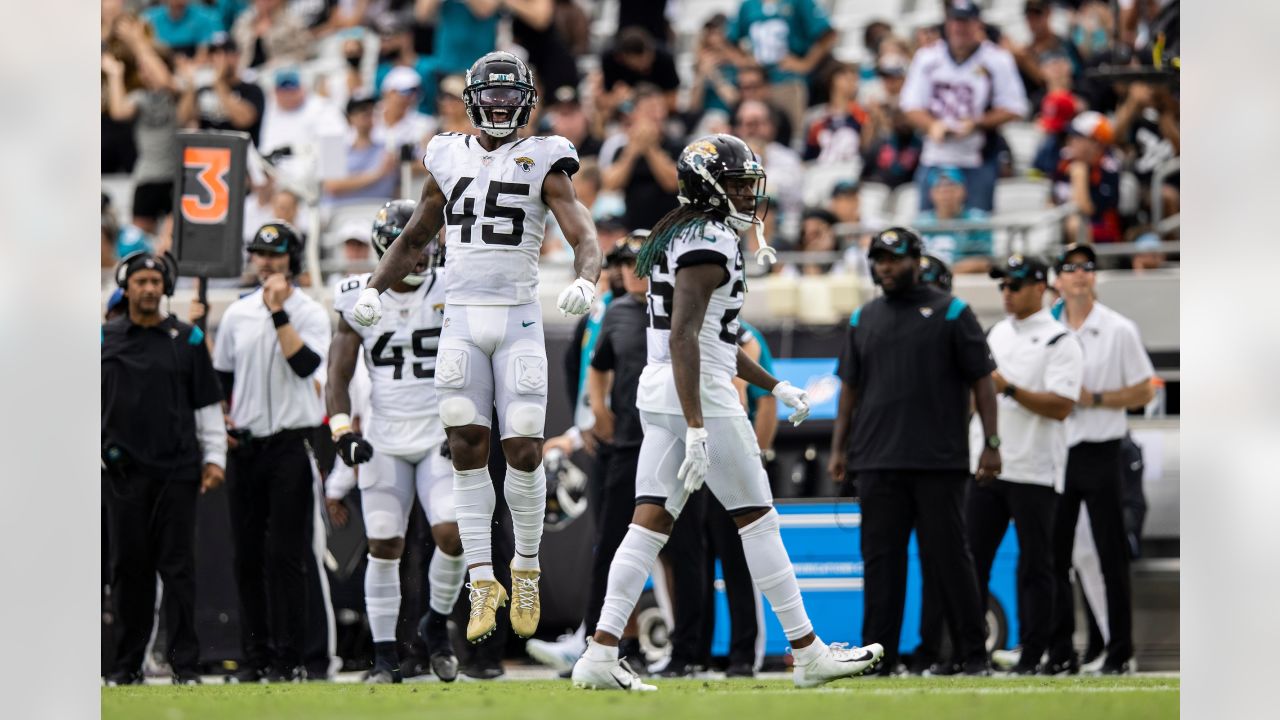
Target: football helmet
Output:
[(499, 81), (566, 491), (720, 175), (387, 226)]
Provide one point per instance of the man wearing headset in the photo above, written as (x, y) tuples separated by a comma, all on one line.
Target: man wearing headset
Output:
[(162, 445), (269, 350)]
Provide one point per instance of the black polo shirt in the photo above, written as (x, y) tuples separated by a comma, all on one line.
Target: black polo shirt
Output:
[(153, 381), (912, 361), (621, 348)]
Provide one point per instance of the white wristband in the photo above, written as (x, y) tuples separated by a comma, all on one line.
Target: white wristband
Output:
[(339, 425)]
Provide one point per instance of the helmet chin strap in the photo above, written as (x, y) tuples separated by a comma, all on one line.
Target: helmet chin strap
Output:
[(413, 279), (764, 254)]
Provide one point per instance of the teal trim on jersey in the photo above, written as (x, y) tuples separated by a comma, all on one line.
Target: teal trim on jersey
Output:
[(589, 339), (956, 307), (196, 337), (102, 334), (853, 319), (1057, 309)]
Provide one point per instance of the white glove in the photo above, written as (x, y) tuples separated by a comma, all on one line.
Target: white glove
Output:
[(577, 298), (694, 468), (368, 309), (794, 398)]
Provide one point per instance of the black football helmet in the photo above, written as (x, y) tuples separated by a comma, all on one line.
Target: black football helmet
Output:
[(387, 226), (704, 171), (278, 236), (566, 491), (499, 81), (935, 272)]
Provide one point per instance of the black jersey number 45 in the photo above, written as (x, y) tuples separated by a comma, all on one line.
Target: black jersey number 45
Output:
[(465, 216)]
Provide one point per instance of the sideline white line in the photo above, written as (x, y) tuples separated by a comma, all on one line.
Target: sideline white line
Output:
[(1040, 690)]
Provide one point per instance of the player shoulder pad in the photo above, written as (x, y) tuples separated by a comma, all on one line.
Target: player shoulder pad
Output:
[(714, 242), (553, 152), (347, 290), (439, 142)]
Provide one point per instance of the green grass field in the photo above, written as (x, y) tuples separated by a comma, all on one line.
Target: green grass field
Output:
[(1131, 698)]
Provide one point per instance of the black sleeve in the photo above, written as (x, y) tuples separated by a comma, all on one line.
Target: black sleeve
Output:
[(610, 69), (253, 94), (665, 75), (602, 356), (573, 359), (972, 352), (228, 382), (847, 366), (205, 388), (304, 362)]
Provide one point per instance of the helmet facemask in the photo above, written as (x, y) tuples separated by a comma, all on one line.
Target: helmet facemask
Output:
[(511, 101), (746, 203)]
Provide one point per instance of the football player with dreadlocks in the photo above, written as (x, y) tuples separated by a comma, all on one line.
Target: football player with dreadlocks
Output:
[(692, 417), (492, 194), (399, 449)]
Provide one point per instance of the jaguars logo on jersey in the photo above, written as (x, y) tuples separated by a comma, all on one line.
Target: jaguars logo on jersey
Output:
[(525, 163)]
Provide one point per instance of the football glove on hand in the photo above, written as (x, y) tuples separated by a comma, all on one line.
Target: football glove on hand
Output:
[(794, 398), (577, 298), (693, 471), (368, 309), (354, 449)]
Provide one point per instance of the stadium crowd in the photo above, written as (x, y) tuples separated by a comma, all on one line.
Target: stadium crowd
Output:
[(958, 118), (859, 121)]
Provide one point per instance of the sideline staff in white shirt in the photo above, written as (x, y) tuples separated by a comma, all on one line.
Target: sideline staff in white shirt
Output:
[(1039, 366), (270, 345), (1117, 375)]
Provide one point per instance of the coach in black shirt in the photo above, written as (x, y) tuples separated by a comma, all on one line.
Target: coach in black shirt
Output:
[(910, 361), (163, 442)]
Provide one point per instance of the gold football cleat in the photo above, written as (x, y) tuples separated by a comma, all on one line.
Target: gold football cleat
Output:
[(526, 605), (486, 597)]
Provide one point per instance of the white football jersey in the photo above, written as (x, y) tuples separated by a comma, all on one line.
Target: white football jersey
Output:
[(715, 244), (494, 215), (400, 350), (954, 92)]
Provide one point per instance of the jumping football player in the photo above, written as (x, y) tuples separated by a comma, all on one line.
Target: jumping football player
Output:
[(695, 427), (401, 453), (492, 194)]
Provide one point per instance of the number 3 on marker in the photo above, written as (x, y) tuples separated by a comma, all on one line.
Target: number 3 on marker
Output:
[(213, 164)]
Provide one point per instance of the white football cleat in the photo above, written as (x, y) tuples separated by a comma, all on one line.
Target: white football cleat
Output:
[(559, 655), (837, 661), (607, 675)]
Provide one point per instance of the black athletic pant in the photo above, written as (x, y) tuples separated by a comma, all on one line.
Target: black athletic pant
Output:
[(270, 491), (1032, 509), (725, 543), (615, 504), (152, 524), (893, 502), (1094, 478), (686, 554)]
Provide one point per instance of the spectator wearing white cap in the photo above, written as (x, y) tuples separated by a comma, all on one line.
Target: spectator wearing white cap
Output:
[(396, 120), (371, 164), (351, 246)]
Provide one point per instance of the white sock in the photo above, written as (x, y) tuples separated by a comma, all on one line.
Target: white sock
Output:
[(808, 653), (445, 577), (382, 597), (474, 499), (482, 572), (631, 566), (599, 653), (526, 494), (773, 573)]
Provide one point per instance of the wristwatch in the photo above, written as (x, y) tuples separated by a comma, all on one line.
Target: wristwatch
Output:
[(1009, 390), (1097, 399), (993, 442)]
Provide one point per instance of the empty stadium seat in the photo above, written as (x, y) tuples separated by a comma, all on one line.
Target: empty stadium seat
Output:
[(1024, 140), (874, 198), (820, 179), (1014, 195), (904, 204)]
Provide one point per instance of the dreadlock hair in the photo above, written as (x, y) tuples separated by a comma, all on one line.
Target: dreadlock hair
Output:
[(667, 229)]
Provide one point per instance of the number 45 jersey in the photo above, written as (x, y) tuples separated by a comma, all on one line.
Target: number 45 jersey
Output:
[(494, 215), (400, 353), (714, 244)]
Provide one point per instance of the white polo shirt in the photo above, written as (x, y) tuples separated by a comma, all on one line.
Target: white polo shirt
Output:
[(1114, 358), (1038, 354), (268, 396)]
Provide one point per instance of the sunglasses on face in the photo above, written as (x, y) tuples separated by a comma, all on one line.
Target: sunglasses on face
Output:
[(1087, 266), (1011, 285)]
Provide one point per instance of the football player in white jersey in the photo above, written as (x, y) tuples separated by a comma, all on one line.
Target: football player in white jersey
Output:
[(695, 428), (492, 194), (399, 448)]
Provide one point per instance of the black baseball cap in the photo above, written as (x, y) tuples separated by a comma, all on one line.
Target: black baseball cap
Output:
[(1020, 267), (1082, 248), (628, 248), (896, 241), (1035, 6), (222, 41), (963, 10)]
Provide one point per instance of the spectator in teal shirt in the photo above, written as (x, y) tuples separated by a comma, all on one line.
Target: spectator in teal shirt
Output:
[(789, 38), (182, 24), (762, 407), (966, 251), (463, 34)]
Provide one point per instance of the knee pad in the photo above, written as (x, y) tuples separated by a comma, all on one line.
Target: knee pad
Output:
[(457, 411), (451, 368), (526, 419), (763, 526), (381, 525)]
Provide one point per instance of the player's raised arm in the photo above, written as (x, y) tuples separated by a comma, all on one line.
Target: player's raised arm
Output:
[(580, 233), (404, 253)]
